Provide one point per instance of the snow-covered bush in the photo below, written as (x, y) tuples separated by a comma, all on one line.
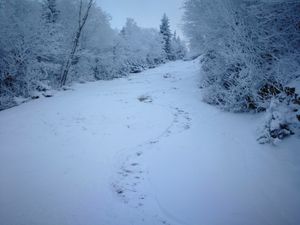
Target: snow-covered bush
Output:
[(250, 52), (43, 46), (178, 48), (229, 86), (142, 47), (282, 118), (19, 47), (94, 49), (216, 29), (246, 47), (35, 39)]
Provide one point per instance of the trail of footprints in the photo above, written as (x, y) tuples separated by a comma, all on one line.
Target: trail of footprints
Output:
[(182, 121), (131, 175)]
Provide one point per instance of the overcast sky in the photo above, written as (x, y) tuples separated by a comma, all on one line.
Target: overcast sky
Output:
[(147, 13)]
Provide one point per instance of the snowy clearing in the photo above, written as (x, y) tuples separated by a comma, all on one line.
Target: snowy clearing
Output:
[(142, 150)]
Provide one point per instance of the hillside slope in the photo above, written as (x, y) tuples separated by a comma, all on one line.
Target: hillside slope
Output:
[(142, 150)]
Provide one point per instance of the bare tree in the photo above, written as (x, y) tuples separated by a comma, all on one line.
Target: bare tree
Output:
[(81, 23)]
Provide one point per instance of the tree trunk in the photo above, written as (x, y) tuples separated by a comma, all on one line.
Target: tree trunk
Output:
[(69, 60)]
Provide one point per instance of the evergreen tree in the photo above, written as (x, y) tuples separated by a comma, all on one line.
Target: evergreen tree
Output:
[(130, 28), (178, 47), (166, 34), (50, 12)]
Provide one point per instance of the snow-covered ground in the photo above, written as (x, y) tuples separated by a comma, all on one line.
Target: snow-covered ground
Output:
[(142, 150)]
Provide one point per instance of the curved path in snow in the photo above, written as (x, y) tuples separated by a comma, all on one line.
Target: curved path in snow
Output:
[(142, 150)]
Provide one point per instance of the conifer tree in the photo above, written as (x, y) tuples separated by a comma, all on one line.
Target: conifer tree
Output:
[(166, 34), (178, 47)]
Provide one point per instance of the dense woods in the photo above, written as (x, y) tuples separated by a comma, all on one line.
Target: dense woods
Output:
[(250, 52), (47, 44), (250, 57)]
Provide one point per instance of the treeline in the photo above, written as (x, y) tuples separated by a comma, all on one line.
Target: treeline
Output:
[(47, 44), (250, 58)]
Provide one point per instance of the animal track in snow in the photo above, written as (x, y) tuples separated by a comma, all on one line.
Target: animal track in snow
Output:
[(131, 174)]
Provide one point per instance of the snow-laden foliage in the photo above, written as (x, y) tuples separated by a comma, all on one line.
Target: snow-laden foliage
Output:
[(19, 47), (173, 47), (250, 50), (142, 47), (282, 117), (42, 47), (35, 39), (178, 48), (166, 35), (247, 46)]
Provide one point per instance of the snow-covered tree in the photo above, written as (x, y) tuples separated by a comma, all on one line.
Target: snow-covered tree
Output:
[(94, 57), (250, 49), (243, 43), (178, 47), (42, 46), (19, 34), (167, 36), (82, 19), (143, 47)]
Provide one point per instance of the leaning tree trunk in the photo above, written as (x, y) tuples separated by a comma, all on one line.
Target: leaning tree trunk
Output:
[(69, 60)]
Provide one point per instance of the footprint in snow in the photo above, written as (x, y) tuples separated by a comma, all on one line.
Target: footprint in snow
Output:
[(139, 153), (145, 99), (167, 75)]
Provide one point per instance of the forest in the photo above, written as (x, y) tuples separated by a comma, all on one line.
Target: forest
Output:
[(138, 112), (45, 45), (249, 52)]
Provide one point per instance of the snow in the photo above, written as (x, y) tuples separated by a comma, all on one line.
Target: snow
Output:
[(142, 150)]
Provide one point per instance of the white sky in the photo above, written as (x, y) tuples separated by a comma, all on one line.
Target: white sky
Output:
[(147, 13)]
